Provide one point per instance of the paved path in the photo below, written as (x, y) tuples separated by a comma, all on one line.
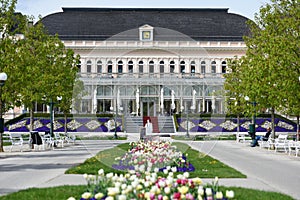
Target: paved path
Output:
[(266, 170), (21, 170)]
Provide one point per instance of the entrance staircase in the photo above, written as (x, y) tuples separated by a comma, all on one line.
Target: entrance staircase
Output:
[(154, 121), (166, 124), (133, 124), (160, 124)]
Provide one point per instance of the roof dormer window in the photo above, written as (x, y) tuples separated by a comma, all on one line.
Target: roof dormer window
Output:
[(146, 33)]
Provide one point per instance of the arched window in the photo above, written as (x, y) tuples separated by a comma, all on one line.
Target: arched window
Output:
[(130, 66), (172, 67), (109, 66), (120, 67), (161, 67), (99, 66), (193, 67), (141, 66), (151, 67), (88, 66), (182, 67), (213, 67), (224, 65), (203, 66)]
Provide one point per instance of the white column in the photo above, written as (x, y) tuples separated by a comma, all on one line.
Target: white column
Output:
[(94, 101), (203, 100)]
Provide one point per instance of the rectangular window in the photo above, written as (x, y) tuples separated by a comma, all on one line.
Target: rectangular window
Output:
[(120, 69), (203, 69), (141, 69)]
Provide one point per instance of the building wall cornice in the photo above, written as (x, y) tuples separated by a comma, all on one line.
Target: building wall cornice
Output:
[(154, 45)]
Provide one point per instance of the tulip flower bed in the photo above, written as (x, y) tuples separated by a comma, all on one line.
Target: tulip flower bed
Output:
[(134, 185), (142, 162), (145, 156), (205, 166)]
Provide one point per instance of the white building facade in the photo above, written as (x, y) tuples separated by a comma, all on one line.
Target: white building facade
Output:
[(151, 62)]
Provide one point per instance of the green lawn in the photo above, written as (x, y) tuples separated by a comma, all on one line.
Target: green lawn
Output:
[(204, 137), (206, 166)]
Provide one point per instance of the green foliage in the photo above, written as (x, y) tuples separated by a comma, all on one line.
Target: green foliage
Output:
[(268, 74), (103, 160), (61, 192), (273, 56), (245, 194), (235, 101), (70, 116), (38, 66)]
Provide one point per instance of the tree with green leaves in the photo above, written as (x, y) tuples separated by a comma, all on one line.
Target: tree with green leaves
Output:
[(11, 24), (72, 93), (235, 102), (38, 65), (270, 69), (49, 69)]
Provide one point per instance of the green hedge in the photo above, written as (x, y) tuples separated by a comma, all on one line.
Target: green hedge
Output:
[(47, 115)]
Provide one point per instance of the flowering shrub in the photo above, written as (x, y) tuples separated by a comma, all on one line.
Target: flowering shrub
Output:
[(149, 186), (146, 156)]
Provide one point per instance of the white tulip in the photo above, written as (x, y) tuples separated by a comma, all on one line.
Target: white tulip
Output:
[(86, 195), (208, 191), (122, 197), (186, 174), (229, 194), (167, 190), (219, 195), (101, 172)]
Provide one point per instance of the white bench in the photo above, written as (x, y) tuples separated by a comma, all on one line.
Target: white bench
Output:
[(58, 140), (281, 142), (242, 136), (18, 139), (294, 146), (69, 138)]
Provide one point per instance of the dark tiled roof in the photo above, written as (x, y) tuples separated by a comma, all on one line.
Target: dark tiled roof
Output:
[(103, 23)]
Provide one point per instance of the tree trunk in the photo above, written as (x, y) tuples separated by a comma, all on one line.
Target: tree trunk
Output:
[(273, 122), (31, 117), (65, 124), (238, 123)]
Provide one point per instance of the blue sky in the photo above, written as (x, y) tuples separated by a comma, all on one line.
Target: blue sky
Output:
[(45, 7)]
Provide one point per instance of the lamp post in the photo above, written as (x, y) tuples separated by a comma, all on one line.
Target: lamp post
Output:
[(252, 128), (3, 78), (298, 124), (115, 120), (51, 104), (187, 135)]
